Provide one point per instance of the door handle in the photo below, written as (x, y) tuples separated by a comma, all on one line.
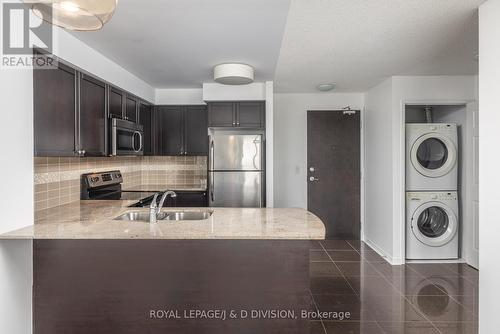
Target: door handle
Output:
[(313, 179), (136, 133)]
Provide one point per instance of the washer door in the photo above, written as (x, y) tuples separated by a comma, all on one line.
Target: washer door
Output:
[(433, 155), (434, 224)]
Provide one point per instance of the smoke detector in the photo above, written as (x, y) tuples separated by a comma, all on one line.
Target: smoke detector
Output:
[(233, 74)]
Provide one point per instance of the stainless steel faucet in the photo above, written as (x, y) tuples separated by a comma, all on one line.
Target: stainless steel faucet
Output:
[(155, 210)]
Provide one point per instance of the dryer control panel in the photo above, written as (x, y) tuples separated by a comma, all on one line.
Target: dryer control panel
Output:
[(432, 196)]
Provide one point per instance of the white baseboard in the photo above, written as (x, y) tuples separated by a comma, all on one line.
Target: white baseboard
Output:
[(437, 261), (388, 257)]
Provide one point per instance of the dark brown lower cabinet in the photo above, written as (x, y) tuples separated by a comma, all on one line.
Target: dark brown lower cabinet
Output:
[(163, 286), (188, 199)]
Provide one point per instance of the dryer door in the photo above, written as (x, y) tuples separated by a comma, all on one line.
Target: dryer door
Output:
[(433, 155), (434, 224)]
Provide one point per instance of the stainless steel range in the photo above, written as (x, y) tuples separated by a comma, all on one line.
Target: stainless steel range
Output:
[(108, 186)]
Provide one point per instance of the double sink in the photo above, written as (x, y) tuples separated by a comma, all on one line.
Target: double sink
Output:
[(142, 216)]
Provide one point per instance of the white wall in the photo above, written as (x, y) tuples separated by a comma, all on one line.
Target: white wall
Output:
[(269, 144), (489, 161), (178, 96), (76, 52), (15, 286), (290, 141), (252, 92), (16, 204), (378, 180)]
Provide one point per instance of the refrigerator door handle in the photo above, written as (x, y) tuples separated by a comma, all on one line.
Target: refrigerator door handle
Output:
[(212, 188), (211, 156)]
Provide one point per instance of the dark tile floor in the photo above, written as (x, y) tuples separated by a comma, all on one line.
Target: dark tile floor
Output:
[(348, 276)]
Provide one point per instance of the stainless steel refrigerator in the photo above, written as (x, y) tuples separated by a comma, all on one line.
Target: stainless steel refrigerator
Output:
[(236, 169)]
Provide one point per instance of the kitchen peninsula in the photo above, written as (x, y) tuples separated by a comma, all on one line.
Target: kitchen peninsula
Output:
[(95, 274), (96, 220)]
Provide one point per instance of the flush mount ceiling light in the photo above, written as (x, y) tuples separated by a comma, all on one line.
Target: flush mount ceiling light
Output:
[(79, 15), (233, 74), (325, 87)]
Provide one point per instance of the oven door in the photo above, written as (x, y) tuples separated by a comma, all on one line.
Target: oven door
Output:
[(126, 138)]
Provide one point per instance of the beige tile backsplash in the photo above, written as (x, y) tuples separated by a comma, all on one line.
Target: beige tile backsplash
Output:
[(57, 179)]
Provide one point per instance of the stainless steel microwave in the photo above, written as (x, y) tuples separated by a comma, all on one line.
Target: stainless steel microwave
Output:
[(127, 138)]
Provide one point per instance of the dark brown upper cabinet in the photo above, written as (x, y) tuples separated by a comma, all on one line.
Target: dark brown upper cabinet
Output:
[(116, 102), (221, 114), (170, 130), (131, 108), (195, 130), (92, 116), (55, 111), (242, 114), (251, 114), (182, 130), (69, 113), (147, 120)]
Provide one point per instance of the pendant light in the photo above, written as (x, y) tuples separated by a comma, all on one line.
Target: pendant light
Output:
[(79, 15)]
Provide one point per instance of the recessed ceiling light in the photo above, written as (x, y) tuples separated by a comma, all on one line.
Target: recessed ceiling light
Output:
[(233, 74), (325, 87)]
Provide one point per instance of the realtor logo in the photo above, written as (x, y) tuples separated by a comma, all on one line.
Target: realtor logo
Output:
[(22, 32)]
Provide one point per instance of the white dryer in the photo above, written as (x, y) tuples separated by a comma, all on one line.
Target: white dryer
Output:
[(432, 225), (431, 157)]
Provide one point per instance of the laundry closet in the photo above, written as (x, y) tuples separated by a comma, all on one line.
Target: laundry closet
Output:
[(441, 172)]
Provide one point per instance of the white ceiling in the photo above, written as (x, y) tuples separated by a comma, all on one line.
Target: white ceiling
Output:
[(358, 43), (176, 43), (353, 43)]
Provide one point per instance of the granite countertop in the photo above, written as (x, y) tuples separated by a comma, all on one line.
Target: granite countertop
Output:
[(94, 220), (160, 187)]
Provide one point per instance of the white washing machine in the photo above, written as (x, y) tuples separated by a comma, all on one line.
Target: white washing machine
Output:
[(431, 157), (432, 225)]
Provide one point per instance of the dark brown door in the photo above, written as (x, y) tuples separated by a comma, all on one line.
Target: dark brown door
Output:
[(333, 177), (250, 114), (195, 135), (54, 101), (92, 116), (116, 103), (221, 114), (171, 128), (146, 120), (131, 109)]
